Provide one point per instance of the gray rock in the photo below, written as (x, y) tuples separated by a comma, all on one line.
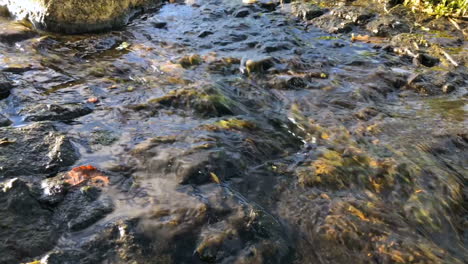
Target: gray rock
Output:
[(82, 208), (448, 88), (4, 121), (426, 60), (10, 33), (5, 86), (260, 65), (34, 149), (307, 11), (50, 112), (387, 26), (242, 13), (71, 16), (26, 228), (288, 82), (205, 34), (159, 24), (332, 24)]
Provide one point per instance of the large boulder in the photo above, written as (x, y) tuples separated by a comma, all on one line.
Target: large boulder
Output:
[(77, 16)]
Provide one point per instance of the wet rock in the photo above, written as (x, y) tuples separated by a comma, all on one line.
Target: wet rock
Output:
[(242, 13), (448, 88), (34, 149), (343, 103), (307, 11), (5, 86), (288, 82), (342, 19), (333, 24), (387, 26), (26, 228), (4, 121), (52, 112), (366, 113), (405, 42), (354, 14), (70, 16), (257, 66), (225, 65), (83, 207), (237, 37), (426, 60), (159, 24), (191, 60), (178, 229), (222, 148), (205, 34), (430, 82), (221, 242), (209, 101), (11, 33), (276, 46), (103, 137), (268, 5)]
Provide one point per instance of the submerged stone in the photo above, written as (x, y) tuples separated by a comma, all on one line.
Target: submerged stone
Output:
[(77, 16)]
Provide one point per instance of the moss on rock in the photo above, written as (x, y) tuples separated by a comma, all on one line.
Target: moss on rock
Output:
[(77, 16)]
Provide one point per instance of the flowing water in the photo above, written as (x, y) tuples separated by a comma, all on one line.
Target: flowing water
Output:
[(247, 140)]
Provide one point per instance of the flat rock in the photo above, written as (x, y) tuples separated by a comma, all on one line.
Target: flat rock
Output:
[(77, 16)]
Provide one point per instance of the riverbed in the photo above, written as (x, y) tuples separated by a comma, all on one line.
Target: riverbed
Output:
[(229, 133)]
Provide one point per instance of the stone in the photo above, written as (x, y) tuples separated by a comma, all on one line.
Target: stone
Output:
[(4, 121), (257, 66), (242, 13), (426, 60), (268, 5), (77, 16), (5, 86), (52, 112), (307, 11), (448, 88), (205, 34), (288, 82), (388, 26), (333, 24), (159, 24), (270, 47), (11, 33), (26, 228), (36, 149), (83, 208)]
